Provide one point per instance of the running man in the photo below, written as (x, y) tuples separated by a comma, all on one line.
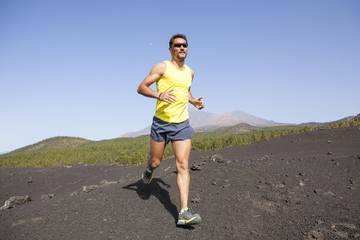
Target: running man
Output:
[(171, 121)]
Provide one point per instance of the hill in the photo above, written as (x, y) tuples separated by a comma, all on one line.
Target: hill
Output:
[(55, 143), (300, 186)]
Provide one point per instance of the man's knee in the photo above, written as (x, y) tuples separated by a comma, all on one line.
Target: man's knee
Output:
[(182, 164), (154, 162)]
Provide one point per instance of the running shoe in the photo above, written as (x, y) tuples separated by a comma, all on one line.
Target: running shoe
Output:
[(187, 218), (147, 176)]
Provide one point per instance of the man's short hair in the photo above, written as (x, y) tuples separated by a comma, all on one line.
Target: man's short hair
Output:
[(179, 35)]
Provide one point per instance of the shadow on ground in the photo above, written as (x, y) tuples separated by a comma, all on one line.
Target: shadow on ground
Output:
[(144, 191)]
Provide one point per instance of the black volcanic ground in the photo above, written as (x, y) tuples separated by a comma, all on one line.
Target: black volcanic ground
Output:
[(303, 186)]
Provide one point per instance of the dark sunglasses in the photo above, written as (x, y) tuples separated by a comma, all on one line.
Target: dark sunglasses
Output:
[(177, 45)]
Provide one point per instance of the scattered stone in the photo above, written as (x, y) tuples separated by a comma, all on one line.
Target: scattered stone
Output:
[(226, 186), (30, 180), (329, 193), (197, 167), (319, 221), (16, 200), (297, 201), (316, 235), (47, 196), (342, 234), (103, 183), (87, 189), (265, 158), (213, 183), (73, 193), (358, 156), (196, 199), (317, 191), (330, 153), (217, 158), (301, 183)]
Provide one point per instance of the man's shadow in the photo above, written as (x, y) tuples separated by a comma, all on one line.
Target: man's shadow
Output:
[(146, 190)]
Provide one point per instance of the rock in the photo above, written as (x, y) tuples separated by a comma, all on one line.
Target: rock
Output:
[(217, 158), (16, 200), (296, 201), (87, 189), (329, 193), (265, 158), (196, 199), (319, 221), (317, 190), (47, 196), (330, 153), (316, 235), (74, 194), (301, 183), (30, 180), (196, 167), (103, 183)]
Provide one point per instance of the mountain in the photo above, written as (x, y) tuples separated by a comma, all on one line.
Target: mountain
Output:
[(206, 121)]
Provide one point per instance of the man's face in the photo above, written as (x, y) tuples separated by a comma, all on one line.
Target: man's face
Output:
[(179, 49)]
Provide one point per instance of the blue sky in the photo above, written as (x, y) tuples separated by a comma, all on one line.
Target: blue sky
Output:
[(71, 68)]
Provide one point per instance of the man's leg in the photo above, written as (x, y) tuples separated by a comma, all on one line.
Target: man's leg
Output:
[(182, 153), (156, 154)]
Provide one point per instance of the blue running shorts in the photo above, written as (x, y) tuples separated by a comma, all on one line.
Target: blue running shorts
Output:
[(165, 131)]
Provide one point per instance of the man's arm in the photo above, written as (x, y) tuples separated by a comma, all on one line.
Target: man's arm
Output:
[(196, 102), (155, 74)]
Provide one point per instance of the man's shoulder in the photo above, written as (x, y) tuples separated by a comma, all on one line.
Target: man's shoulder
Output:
[(159, 68)]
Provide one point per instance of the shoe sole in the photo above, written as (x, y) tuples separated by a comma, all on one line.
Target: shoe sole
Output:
[(192, 221)]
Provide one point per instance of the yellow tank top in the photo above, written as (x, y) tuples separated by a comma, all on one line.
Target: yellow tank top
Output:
[(180, 81)]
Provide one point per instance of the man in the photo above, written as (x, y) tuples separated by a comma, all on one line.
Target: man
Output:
[(171, 121)]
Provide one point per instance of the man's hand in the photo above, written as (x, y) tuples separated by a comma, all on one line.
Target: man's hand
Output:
[(198, 103), (168, 97)]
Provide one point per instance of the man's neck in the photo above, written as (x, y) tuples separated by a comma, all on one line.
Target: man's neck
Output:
[(178, 64)]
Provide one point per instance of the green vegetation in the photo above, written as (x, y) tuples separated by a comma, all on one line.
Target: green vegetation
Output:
[(67, 150)]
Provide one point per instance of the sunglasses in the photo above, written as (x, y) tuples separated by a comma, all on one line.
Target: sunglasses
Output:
[(177, 45)]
